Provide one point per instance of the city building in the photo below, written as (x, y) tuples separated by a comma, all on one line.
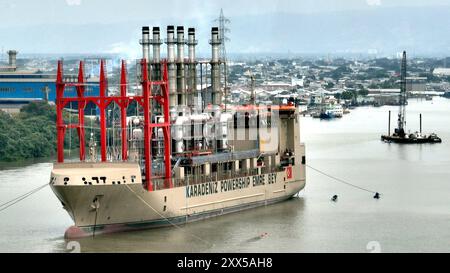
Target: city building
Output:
[(20, 87), (440, 71)]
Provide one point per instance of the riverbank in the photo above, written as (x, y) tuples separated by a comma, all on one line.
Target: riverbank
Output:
[(30, 136)]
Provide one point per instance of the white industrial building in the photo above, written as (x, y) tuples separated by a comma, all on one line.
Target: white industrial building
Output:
[(440, 71)]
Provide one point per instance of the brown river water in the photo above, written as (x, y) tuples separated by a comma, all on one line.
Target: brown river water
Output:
[(413, 214)]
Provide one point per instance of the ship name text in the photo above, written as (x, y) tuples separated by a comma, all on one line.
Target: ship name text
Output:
[(233, 184)]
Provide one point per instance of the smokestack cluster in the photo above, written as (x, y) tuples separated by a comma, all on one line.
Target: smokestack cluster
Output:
[(189, 126), (182, 73)]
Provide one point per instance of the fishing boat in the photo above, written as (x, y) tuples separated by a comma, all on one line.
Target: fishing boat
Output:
[(331, 111)]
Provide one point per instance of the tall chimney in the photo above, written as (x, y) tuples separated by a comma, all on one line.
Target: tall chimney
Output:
[(170, 41), (145, 42), (191, 42), (156, 44), (180, 43), (216, 96), (192, 78), (181, 83), (12, 58)]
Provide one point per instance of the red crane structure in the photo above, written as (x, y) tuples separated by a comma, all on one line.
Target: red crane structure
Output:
[(103, 101)]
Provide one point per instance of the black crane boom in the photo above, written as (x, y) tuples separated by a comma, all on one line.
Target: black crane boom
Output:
[(402, 99)]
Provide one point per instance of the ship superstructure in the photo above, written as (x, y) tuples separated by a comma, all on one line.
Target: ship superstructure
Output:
[(184, 156)]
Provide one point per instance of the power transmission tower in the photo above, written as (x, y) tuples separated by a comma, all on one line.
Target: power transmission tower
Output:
[(223, 29)]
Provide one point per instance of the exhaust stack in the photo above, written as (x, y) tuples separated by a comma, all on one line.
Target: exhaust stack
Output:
[(192, 71), (181, 82), (145, 42), (191, 42), (156, 44), (170, 41), (216, 96)]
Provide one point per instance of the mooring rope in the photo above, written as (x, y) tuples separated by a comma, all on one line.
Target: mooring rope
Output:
[(21, 197), (173, 224), (341, 180)]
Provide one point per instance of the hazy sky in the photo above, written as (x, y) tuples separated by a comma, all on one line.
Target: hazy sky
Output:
[(28, 12), (113, 26)]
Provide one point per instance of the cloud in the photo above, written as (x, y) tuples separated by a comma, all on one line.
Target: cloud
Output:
[(125, 50), (73, 2), (373, 2)]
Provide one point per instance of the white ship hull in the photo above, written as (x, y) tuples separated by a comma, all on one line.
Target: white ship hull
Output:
[(104, 206)]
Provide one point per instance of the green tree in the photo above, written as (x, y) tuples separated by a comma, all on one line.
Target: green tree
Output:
[(348, 95), (329, 85), (363, 92), (31, 133)]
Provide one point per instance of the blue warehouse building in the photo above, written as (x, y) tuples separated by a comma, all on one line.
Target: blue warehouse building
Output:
[(32, 87), (18, 88)]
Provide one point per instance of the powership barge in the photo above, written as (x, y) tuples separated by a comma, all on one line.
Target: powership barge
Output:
[(184, 157)]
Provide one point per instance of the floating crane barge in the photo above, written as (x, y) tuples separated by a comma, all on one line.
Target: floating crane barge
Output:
[(399, 135), (184, 157)]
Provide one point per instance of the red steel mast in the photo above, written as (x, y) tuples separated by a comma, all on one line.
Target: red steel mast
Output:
[(102, 101)]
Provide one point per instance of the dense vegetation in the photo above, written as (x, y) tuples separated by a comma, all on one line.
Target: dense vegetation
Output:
[(29, 134), (351, 95)]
